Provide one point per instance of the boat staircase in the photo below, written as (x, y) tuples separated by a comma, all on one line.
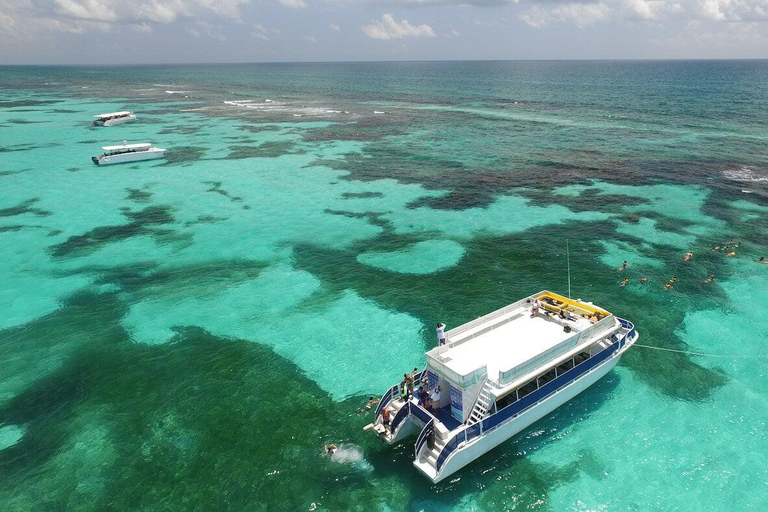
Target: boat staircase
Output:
[(428, 448), (483, 403)]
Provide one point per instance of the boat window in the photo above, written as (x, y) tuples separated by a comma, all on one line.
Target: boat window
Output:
[(527, 389), (550, 375), (567, 365), (581, 357), (506, 400)]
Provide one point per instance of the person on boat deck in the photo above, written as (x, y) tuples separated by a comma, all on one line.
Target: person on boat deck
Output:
[(409, 383), (535, 308), (435, 399), (594, 318), (564, 314), (385, 418), (422, 395), (441, 333)]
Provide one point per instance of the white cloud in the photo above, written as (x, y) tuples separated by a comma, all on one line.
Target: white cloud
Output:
[(695, 34), (87, 10), (334, 27), (294, 4), (734, 10), (387, 27), (582, 15), (259, 32)]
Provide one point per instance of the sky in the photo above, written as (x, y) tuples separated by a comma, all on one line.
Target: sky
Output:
[(192, 31)]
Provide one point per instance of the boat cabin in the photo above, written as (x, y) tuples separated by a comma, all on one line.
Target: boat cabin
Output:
[(513, 351)]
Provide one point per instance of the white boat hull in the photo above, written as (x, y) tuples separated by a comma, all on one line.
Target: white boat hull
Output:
[(113, 122), (491, 439), (124, 158)]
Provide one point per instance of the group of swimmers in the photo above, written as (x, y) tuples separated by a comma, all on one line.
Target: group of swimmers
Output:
[(687, 257)]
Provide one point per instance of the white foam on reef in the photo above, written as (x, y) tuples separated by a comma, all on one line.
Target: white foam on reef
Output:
[(378, 112), (281, 106), (10, 435), (745, 174), (177, 92)]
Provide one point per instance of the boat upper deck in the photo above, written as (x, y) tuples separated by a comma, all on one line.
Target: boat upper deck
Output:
[(509, 343)]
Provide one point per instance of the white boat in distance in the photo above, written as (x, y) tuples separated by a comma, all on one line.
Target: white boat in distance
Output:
[(498, 374), (113, 118), (127, 153)]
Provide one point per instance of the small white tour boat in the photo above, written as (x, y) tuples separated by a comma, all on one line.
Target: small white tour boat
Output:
[(127, 153), (113, 118), (496, 375)]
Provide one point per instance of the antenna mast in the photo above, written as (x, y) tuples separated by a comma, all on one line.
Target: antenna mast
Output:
[(568, 256)]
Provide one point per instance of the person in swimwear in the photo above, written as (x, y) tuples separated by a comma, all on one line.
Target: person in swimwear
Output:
[(763, 260), (688, 256), (330, 449), (624, 281), (643, 280), (710, 278), (668, 286)]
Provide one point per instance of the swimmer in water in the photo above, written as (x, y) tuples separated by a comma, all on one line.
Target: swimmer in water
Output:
[(623, 266), (330, 449), (763, 260), (668, 286), (673, 280), (710, 278), (625, 281), (688, 256), (732, 253), (643, 279)]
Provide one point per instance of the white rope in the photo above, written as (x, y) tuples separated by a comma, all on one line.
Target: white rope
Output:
[(701, 353)]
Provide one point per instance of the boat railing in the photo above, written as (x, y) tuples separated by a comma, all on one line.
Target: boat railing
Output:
[(461, 437), (394, 392), (551, 387), (479, 321), (508, 376), (402, 413), (427, 431)]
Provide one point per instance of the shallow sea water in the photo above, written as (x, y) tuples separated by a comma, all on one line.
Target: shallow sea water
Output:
[(189, 333)]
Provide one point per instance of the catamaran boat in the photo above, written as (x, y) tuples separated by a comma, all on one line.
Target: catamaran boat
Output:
[(127, 153), (496, 375), (113, 118)]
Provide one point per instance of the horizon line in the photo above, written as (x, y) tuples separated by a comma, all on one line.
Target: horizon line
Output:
[(388, 61)]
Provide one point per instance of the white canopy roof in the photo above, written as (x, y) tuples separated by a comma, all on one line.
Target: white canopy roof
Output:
[(143, 145), (113, 114)]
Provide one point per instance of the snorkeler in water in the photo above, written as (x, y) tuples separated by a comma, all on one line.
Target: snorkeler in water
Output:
[(625, 281), (668, 286), (710, 278), (643, 279), (330, 449)]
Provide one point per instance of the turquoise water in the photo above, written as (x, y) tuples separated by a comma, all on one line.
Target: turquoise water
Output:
[(189, 333)]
